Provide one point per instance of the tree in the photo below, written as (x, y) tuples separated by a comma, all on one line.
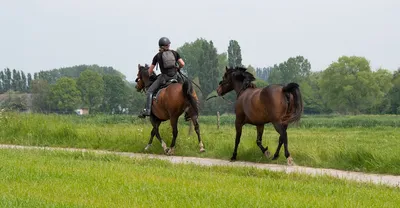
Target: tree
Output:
[(15, 101), (260, 83), (22, 84), (222, 63), (293, 70), (91, 86), (218, 104), (136, 100), (263, 73), (14, 80), (40, 95), (7, 80), (29, 87), (234, 54), (349, 86), (116, 94), (64, 95), (2, 90), (311, 93), (201, 60), (394, 93), (74, 72), (251, 69), (383, 78)]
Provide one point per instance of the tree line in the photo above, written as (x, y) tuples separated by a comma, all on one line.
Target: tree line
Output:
[(347, 86), (100, 89), (14, 80)]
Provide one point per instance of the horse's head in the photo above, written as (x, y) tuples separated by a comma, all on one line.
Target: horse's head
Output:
[(142, 75), (233, 78), (143, 78)]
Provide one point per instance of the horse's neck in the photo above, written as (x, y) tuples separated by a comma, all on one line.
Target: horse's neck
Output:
[(147, 84), (238, 87)]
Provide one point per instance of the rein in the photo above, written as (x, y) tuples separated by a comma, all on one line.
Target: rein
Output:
[(184, 76), (241, 90), (230, 102)]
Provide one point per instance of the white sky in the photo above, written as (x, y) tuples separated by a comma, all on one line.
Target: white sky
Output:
[(46, 34)]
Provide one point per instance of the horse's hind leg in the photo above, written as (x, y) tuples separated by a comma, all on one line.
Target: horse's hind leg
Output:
[(281, 129), (174, 125), (260, 131), (197, 129)]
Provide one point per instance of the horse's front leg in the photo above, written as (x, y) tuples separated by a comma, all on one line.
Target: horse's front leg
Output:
[(152, 134), (155, 123), (155, 131), (238, 126)]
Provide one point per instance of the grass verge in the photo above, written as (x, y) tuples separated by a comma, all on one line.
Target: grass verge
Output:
[(38, 178)]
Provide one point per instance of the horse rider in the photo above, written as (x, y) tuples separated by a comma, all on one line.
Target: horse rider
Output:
[(167, 60)]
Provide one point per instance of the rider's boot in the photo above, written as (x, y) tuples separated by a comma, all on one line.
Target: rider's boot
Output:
[(146, 112)]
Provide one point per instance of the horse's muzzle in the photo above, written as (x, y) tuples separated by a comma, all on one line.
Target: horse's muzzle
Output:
[(219, 91)]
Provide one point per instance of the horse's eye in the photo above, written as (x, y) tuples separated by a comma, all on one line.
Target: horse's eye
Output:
[(220, 82)]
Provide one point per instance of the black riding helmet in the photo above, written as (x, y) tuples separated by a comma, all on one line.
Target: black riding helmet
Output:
[(164, 41)]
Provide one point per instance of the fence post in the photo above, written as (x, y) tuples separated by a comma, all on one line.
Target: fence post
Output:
[(217, 119)]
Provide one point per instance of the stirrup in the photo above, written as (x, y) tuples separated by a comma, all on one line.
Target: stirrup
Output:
[(144, 113)]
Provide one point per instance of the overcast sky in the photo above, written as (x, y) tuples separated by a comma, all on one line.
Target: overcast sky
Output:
[(46, 34)]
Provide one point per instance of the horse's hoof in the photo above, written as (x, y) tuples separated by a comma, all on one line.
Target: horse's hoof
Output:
[(290, 161), (170, 151), (267, 153), (275, 157), (147, 147), (166, 150), (202, 149)]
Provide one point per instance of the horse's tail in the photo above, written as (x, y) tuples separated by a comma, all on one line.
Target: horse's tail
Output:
[(187, 89), (295, 114)]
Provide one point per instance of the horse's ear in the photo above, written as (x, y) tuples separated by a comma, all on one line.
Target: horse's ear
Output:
[(138, 66), (226, 68)]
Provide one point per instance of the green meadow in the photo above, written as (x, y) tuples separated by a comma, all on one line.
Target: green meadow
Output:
[(358, 143), (40, 178)]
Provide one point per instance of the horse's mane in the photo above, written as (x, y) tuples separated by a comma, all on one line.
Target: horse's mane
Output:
[(241, 74)]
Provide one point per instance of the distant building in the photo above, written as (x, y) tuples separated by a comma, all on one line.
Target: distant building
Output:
[(82, 111)]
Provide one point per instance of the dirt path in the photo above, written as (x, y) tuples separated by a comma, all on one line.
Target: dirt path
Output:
[(390, 180)]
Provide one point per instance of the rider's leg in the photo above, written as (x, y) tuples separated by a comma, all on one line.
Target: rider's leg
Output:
[(149, 96)]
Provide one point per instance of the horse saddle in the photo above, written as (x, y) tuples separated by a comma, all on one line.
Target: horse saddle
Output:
[(167, 83)]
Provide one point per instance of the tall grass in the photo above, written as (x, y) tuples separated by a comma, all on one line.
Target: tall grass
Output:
[(38, 178), (307, 121), (370, 149)]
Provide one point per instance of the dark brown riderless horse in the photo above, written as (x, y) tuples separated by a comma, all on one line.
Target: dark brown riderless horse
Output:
[(171, 102), (276, 104)]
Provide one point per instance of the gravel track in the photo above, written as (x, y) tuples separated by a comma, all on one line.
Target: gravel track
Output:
[(389, 180)]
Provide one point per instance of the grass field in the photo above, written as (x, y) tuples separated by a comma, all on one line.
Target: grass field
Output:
[(365, 143), (38, 178)]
